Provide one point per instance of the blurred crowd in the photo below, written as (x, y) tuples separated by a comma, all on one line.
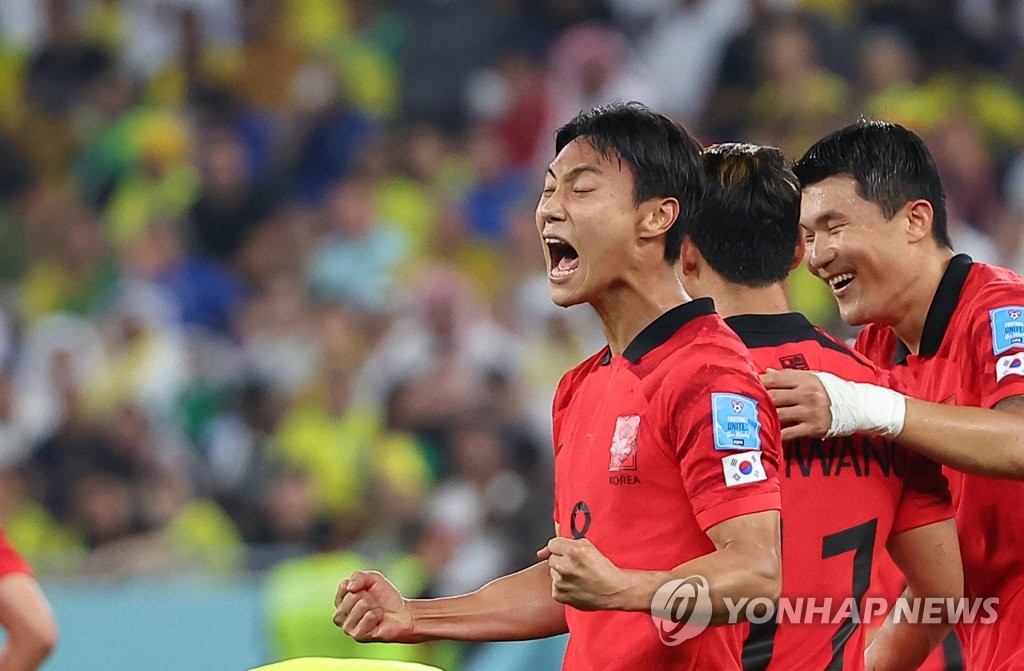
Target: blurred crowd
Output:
[(269, 279)]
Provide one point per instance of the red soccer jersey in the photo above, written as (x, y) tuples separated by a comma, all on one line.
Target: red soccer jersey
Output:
[(646, 447), (972, 354), (841, 500)]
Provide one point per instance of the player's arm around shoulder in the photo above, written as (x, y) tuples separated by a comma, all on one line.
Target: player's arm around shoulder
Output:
[(818, 405)]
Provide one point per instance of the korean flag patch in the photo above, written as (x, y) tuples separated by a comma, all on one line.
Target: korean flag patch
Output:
[(1011, 364), (1007, 328), (742, 468), (735, 420)]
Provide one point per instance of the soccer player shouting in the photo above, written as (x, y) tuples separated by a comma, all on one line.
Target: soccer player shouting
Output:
[(951, 332), (666, 445), (844, 500)]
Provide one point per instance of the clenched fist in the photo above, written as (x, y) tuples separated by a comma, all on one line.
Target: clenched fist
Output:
[(370, 609)]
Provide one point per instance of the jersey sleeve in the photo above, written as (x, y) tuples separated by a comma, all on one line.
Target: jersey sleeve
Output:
[(10, 560), (925, 498), (727, 443), (995, 364)]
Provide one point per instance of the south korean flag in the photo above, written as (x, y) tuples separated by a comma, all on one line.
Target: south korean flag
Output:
[(742, 468), (1012, 364)]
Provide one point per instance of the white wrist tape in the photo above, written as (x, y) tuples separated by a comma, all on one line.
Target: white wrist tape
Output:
[(863, 408)]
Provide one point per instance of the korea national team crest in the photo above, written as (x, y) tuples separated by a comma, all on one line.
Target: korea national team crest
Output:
[(1011, 364), (1007, 328), (737, 426), (623, 449)]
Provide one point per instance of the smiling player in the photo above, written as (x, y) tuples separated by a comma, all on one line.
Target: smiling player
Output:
[(951, 332)]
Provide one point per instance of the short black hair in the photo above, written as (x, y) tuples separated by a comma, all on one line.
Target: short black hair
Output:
[(750, 222), (890, 164), (664, 159)]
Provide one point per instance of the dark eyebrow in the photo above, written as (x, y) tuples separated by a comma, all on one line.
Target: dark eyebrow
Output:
[(576, 172), (829, 215)]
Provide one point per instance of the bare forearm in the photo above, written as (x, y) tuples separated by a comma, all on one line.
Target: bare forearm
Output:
[(512, 608), (898, 647), (730, 574), (973, 440), (903, 646)]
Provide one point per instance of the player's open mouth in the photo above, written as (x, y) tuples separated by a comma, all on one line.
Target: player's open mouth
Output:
[(840, 282), (564, 257)]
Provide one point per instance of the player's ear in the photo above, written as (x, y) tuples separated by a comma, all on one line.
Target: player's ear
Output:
[(919, 216), (689, 260), (799, 252), (660, 215)]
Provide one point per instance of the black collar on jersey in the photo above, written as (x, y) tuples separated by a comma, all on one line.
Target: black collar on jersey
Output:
[(781, 329), (947, 297), (662, 328), (770, 330)]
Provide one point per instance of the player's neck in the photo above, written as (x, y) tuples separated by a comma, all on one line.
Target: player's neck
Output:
[(733, 299), (911, 305), (628, 308)]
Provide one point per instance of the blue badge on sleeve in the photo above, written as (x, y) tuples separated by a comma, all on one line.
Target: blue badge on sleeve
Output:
[(1007, 328), (736, 424)]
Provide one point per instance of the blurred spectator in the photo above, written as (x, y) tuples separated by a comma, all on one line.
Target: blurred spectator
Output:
[(515, 98), (498, 185), (435, 66), (71, 268), (146, 353), (270, 58), (232, 203), (682, 49), (470, 513), (442, 342), (592, 64), (358, 257), (335, 136), (205, 293)]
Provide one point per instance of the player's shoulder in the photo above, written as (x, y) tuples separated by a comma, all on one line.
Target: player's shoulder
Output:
[(990, 287), (712, 332), (710, 339), (992, 304), (844, 360), (573, 376), (710, 350)]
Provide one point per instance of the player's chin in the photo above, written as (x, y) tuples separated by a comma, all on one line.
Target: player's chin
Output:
[(566, 294), (564, 298), (855, 314)]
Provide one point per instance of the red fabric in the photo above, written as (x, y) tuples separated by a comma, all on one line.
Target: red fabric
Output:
[(10, 560), (830, 489), (650, 509), (963, 372)]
